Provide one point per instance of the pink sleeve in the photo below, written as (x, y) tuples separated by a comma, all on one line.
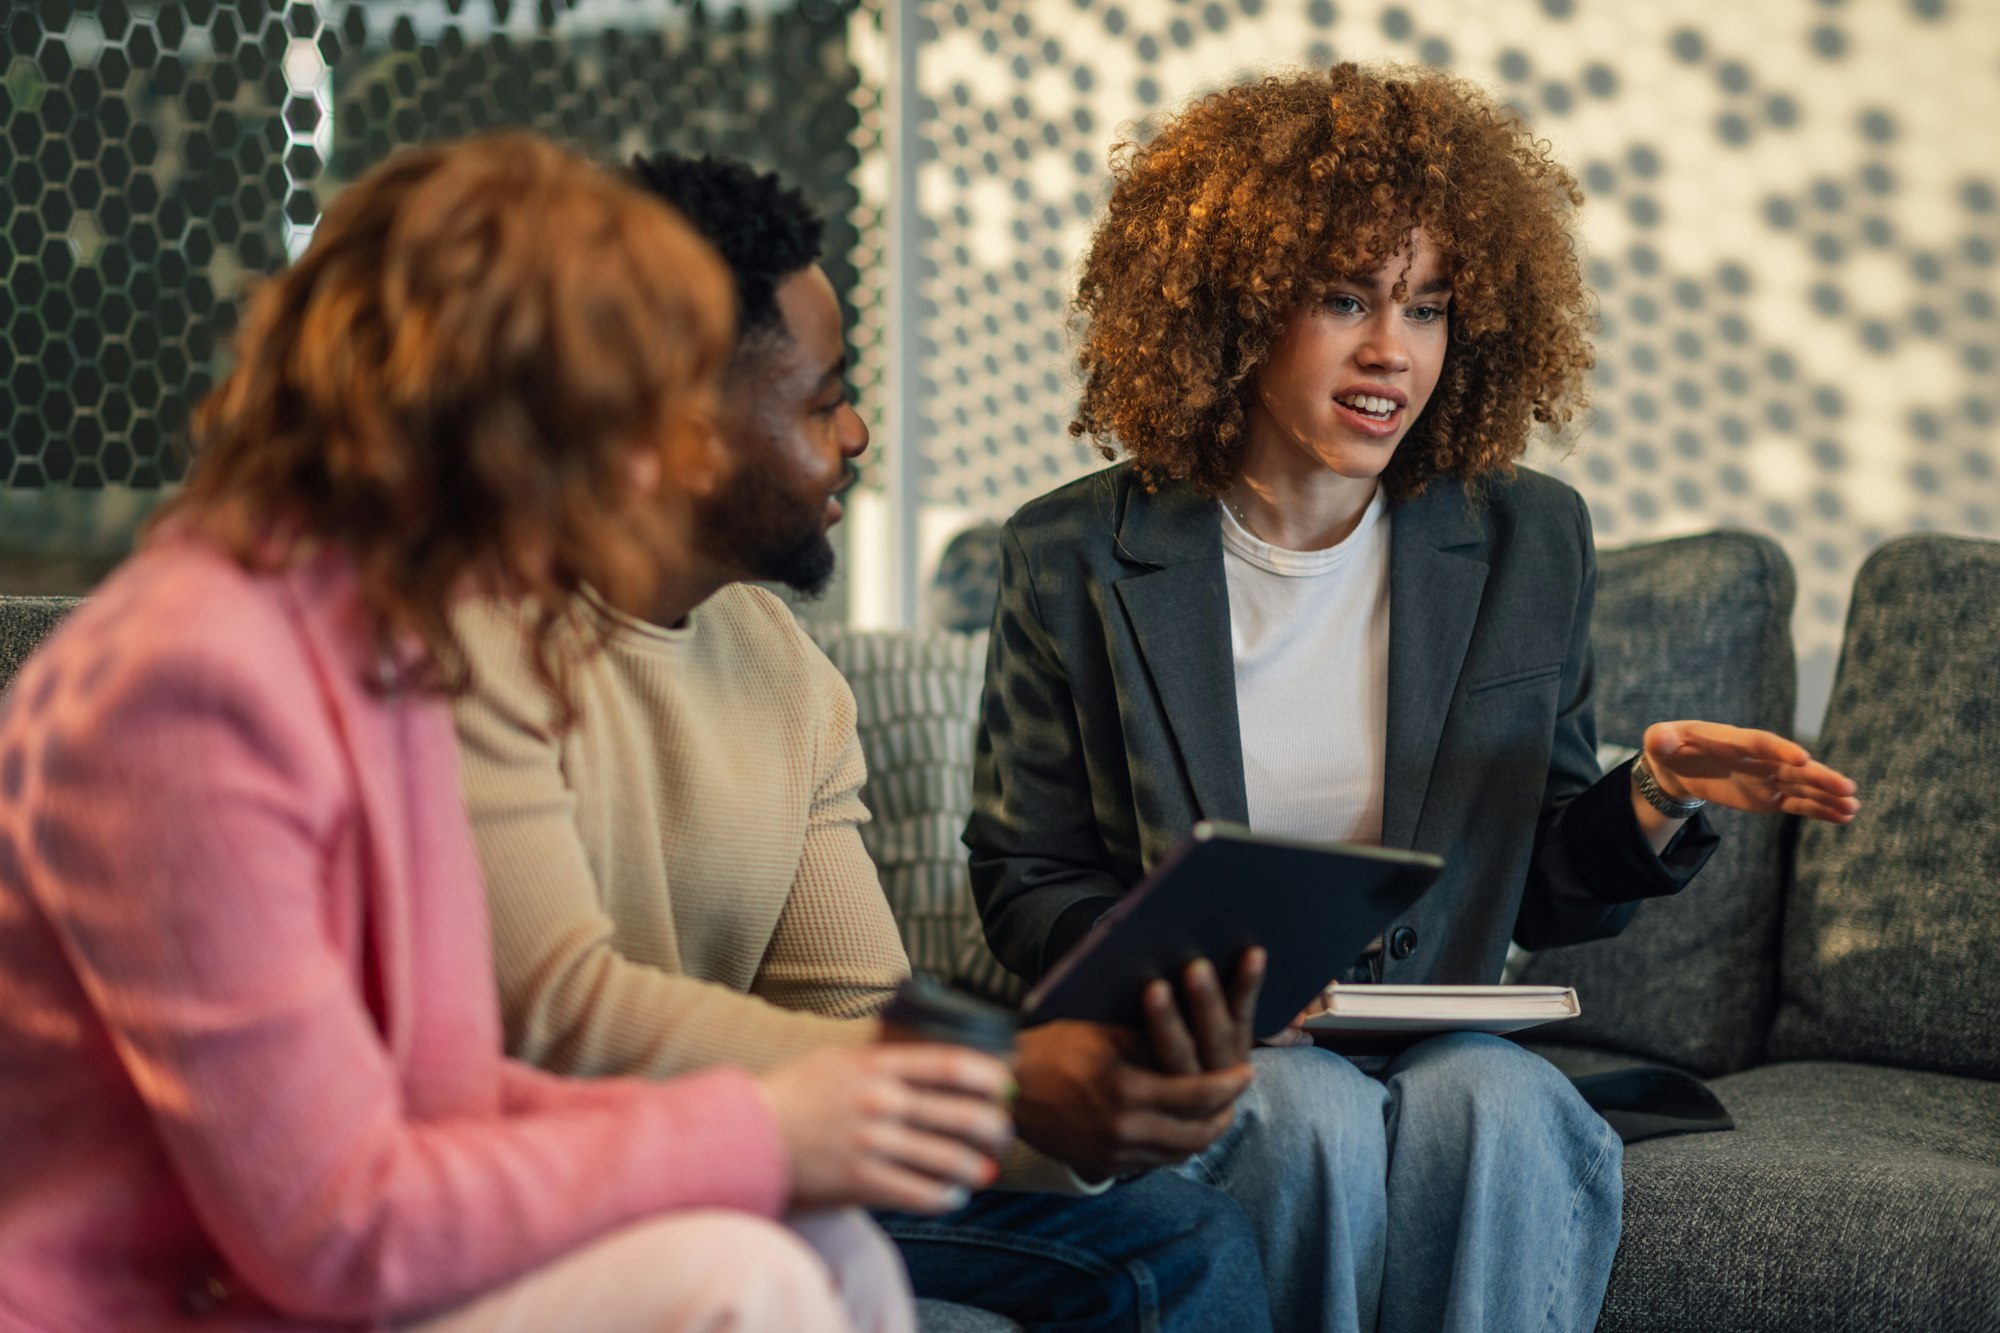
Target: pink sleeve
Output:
[(183, 822), (526, 1090)]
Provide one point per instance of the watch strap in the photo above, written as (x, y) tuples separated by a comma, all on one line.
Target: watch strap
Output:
[(1649, 791)]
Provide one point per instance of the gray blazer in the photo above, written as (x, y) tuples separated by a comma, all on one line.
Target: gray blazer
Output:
[(1109, 722)]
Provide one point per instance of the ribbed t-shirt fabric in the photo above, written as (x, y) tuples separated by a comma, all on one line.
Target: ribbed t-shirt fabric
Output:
[(1309, 633)]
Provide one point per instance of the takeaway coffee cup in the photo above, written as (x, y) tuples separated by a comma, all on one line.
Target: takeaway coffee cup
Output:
[(927, 1010)]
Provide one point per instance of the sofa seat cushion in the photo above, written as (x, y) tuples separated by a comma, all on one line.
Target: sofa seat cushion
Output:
[(1850, 1197)]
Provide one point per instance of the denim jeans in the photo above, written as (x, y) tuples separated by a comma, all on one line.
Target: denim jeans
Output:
[(1463, 1187), (1155, 1253)]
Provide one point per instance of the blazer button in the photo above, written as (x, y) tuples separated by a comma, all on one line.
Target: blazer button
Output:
[(204, 1294), (1402, 942)]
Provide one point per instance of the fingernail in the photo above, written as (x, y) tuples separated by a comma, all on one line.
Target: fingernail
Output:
[(1011, 1093), (955, 1198)]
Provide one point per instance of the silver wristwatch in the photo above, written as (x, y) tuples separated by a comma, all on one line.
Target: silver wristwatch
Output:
[(1649, 789)]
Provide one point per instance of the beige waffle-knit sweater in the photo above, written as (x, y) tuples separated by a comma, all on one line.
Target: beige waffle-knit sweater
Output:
[(677, 880)]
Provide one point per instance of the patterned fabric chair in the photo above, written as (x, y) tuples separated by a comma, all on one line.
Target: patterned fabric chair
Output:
[(917, 708)]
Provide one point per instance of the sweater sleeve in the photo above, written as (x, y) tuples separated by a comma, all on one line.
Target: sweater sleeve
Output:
[(184, 823), (570, 1001), (836, 950)]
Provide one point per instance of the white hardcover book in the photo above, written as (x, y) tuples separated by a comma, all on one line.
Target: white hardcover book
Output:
[(1383, 1009)]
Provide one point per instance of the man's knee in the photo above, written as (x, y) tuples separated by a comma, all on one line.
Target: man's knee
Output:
[(1222, 1234), (1205, 1267), (1193, 1222)]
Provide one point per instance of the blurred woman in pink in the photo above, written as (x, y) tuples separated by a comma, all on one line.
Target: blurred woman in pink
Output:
[(250, 1069)]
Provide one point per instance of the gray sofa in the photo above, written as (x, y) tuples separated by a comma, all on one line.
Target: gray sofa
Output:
[(1838, 988)]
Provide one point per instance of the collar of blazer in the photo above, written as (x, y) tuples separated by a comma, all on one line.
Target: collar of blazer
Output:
[(1178, 603), (325, 604)]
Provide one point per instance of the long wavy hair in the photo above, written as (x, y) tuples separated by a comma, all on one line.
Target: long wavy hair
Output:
[(452, 384), (1253, 201)]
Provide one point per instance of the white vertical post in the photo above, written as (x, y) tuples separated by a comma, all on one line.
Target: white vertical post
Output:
[(903, 477)]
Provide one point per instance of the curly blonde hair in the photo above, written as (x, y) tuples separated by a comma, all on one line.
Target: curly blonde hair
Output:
[(1256, 199)]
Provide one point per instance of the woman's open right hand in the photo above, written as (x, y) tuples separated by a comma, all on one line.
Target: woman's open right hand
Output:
[(911, 1127)]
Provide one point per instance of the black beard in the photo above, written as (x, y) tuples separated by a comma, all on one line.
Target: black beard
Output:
[(769, 533)]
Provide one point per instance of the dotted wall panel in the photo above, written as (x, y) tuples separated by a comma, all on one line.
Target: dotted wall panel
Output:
[(1792, 229), (160, 156)]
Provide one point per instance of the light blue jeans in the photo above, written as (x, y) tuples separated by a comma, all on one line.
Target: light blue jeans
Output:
[(1463, 1187)]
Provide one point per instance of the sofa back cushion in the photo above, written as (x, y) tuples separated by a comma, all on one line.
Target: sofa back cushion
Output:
[(916, 698), (1892, 927), (1695, 627), (24, 623)]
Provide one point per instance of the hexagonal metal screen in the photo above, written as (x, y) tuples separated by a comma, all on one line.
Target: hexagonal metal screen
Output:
[(159, 156)]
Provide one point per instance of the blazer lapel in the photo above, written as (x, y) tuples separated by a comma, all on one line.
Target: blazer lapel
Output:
[(1179, 613), (327, 607), (1437, 571)]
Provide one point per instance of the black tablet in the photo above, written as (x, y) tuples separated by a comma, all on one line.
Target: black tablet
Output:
[(1313, 906)]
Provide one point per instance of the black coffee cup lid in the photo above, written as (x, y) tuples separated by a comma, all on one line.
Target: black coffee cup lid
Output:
[(924, 1009)]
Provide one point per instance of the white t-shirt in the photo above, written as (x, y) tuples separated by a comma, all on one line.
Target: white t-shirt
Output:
[(1309, 631)]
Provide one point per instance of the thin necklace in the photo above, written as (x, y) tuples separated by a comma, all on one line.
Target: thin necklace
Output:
[(1244, 519)]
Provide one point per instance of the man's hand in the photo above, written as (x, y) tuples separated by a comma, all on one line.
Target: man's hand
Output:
[(1088, 1098), (1208, 1030)]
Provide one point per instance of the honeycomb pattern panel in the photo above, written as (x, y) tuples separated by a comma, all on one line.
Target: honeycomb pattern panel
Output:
[(1792, 230), (161, 155), (774, 87), (869, 49)]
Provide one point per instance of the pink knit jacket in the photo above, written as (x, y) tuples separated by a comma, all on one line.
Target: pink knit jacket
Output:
[(250, 1069)]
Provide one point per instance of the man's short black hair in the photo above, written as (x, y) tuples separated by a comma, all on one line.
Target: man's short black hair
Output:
[(764, 230)]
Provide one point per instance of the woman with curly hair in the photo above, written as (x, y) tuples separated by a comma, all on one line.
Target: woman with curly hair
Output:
[(250, 1053), (1321, 316)]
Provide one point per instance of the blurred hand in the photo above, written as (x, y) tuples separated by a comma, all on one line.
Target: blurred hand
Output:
[(1089, 1098), (1295, 1033), (912, 1127), (1746, 770)]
